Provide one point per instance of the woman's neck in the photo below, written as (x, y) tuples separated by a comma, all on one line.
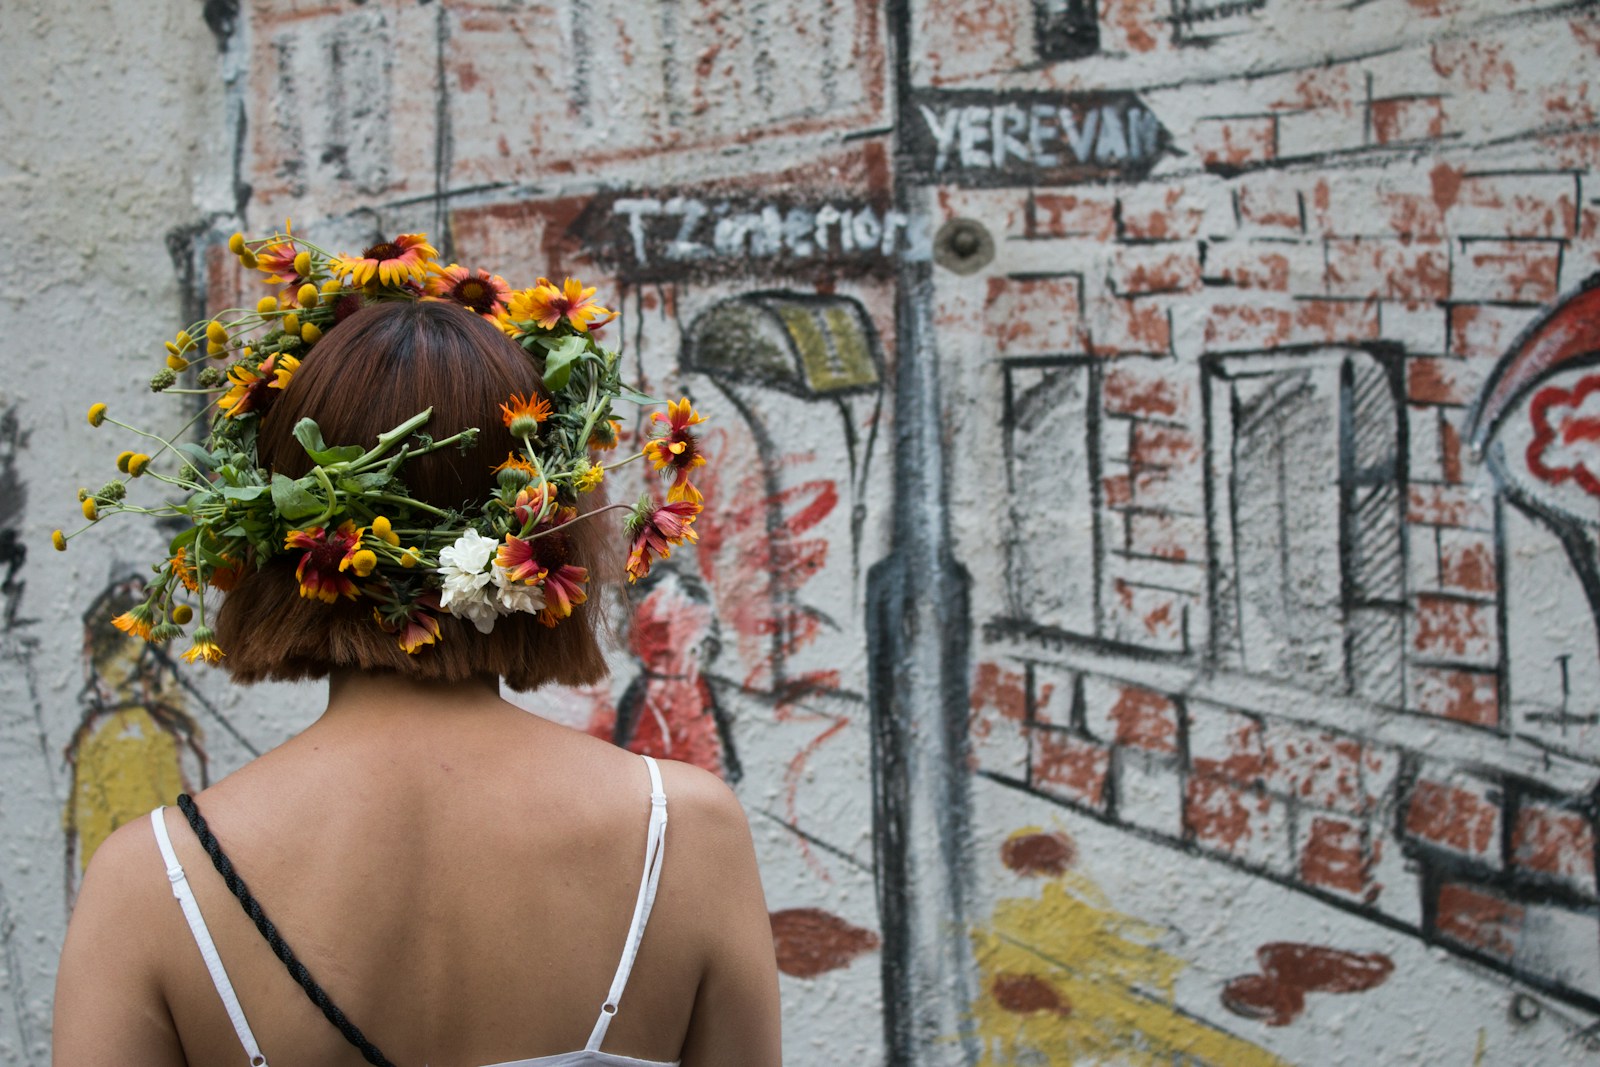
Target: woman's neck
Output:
[(359, 694)]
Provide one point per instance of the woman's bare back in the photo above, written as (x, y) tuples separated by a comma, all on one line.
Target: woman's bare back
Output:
[(459, 876)]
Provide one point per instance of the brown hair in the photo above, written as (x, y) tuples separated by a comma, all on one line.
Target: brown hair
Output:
[(371, 372)]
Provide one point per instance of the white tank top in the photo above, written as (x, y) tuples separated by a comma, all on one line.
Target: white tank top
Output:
[(588, 1056)]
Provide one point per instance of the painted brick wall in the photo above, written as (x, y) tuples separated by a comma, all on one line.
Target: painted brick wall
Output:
[(1149, 604)]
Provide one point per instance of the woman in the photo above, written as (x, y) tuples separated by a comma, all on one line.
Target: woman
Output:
[(461, 883)]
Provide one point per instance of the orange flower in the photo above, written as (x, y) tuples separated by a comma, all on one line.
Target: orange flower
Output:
[(477, 291), (415, 628), (182, 571), (677, 450), (604, 437), (327, 557), (205, 647), (655, 529), (138, 621), (406, 258), (548, 305), (523, 416), (226, 574)]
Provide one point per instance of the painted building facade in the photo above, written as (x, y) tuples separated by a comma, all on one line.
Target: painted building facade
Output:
[(1148, 605)]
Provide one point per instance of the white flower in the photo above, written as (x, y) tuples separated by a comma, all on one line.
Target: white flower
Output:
[(464, 591), (517, 596)]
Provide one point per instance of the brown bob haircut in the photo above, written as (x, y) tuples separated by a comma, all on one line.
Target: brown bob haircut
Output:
[(372, 371)]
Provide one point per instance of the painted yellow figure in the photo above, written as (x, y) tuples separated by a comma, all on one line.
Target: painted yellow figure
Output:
[(136, 747), (1069, 980)]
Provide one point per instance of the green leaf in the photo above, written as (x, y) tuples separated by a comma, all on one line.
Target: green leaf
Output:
[(309, 434), (633, 396), (185, 538), (563, 356), (242, 492), (294, 499), (202, 460), (361, 484)]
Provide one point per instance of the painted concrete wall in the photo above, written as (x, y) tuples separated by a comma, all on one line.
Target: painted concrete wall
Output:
[(1149, 602)]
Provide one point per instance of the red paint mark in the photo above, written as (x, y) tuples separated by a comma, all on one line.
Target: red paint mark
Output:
[(1480, 65), (1071, 765), (1452, 816), (1117, 491), (1567, 416), (792, 776), (1333, 856), (1002, 690), (1217, 812), (1146, 719), (810, 941), (1244, 761), (1450, 451), (1042, 854), (1553, 841), (1465, 696), (1479, 919), (1162, 446), (1128, 394), (1453, 628), (1025, 994), (1469, 566), (1290, 970), (1587, 33)]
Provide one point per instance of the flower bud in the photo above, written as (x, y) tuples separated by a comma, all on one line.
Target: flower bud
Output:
[(216, 333), (365, 561), (408, 559), (307, 295), (122, 461), (182, 614), (332, 285), (248, 258), (266, 305), (302, 264), (176, 363), (137, 463), (91, 510), (162, 632), (184, 340), (164, 379), (310, 334), (58, 539), (291, 323), (172, 349), (384, 531), (97, 414), (111, 492), (211, 377), (236, 243)]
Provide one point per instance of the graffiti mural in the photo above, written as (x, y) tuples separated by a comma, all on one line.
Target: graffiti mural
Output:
[(1150, 605)]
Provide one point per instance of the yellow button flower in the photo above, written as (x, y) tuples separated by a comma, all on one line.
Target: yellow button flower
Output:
[(97, 414)]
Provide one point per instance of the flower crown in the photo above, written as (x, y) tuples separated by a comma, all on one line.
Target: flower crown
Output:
[(358, 531)]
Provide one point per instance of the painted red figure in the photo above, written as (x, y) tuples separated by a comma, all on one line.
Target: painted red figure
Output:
[(670, 710)]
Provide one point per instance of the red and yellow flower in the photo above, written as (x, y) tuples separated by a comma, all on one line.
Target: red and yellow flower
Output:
[(655, 528), (413, 625), (520, 561), (250, 386), (406, 258), (278, 261), (328, 554), (476, 290), (547, 304), (677, 449)]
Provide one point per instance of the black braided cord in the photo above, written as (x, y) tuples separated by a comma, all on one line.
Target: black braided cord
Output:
[(280, 948)]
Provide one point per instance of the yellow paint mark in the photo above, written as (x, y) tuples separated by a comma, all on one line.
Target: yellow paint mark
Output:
[(125, 765), (1111, 985), (1483, 1047)]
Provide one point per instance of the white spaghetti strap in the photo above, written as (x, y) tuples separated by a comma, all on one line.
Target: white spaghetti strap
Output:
[(654, 847), (202, 937)]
